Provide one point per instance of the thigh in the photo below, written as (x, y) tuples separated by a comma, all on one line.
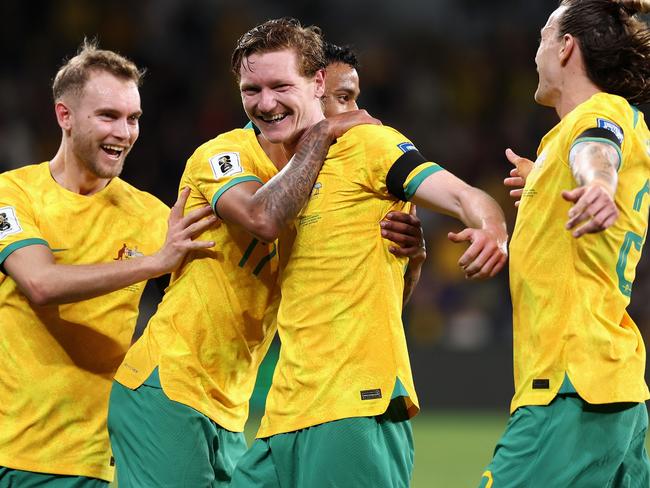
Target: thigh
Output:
[(568, 443), (360, 452), (15, 478), (256, 468), (159, 442), (634, 471)]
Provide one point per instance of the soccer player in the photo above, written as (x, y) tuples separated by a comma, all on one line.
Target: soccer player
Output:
[(578, 417), (338, 409), (66, 323)]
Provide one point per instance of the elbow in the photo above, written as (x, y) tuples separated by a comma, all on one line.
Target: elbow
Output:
[(38, 293)]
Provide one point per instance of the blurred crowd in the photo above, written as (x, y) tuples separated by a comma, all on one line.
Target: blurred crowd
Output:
[(456, 76)]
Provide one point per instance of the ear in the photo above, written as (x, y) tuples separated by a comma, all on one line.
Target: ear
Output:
[(568, 45), (63, 115), (319, 83)]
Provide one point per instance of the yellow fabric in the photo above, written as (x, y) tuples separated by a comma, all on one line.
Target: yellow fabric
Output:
[(340, 316), (569, 295), (217, 318), (58, 361)]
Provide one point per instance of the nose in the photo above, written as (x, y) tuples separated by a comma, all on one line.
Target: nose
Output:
[(266, 101), (122, 129)]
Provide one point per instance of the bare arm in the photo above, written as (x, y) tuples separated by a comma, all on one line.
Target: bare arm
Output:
[(406, 231), (264, 210), (486, 226), (594, 165), (44, 282)]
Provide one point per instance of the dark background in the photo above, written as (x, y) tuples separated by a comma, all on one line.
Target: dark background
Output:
[(456, 76)]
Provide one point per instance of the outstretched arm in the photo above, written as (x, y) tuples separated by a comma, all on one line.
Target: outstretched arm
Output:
[(264, 210), (44, 282), (594, 165), (486, 226)]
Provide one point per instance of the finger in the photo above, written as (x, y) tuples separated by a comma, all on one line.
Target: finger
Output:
[(196, 245), (177, 210), (406, 218), (400, 238), (196, 215), (414, 211), (407, 252), (517, 193), (462, 236), (512, 156), (573, 195), (515, 181), (601, 220), (470, 255), (498, 265), (201, 226), (477, 265)]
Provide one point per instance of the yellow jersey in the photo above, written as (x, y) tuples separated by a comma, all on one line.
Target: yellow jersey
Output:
[(570, 295), (58, 361), (343, 351), (217, 318)]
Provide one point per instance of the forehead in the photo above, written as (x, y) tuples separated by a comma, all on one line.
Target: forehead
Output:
[(265, 67), (554, 19), (341, 75), (108, 90)]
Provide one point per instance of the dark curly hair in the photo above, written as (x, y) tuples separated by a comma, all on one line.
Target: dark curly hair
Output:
[(614, 42), (278, 34), (340, 54)]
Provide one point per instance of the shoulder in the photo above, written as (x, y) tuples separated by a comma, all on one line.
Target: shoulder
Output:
[(31, 175), (137, 201), (237, 141), (380, 138)]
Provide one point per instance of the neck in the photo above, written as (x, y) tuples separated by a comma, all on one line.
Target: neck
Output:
[(73, 175), (575, 91)]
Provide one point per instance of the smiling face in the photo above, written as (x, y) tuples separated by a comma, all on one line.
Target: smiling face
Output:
[(277, 98), (341, 89), (102, 124), (548, 62)]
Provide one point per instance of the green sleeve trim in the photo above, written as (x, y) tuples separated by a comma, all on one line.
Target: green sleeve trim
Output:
[(249, 125), (417, 180), (636, 116), (228, 186), (601, 139), (14, 246)]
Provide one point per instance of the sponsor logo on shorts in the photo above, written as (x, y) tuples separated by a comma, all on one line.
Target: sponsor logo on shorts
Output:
[(9, 222), (406, 147), (225, 164), (612, 127), (371, 394)]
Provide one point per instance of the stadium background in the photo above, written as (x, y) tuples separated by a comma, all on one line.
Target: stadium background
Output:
[(456, 76)]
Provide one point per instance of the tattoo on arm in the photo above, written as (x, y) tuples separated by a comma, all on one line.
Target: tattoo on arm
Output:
[(285, 194), (595, 161), (411, 278)]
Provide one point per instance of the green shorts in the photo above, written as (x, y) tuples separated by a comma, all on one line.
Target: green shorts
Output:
[(571, 443), (355, 452), (10, 478), (158, 442)]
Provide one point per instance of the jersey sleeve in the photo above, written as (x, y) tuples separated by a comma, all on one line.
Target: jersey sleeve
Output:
[(18, 223), (597, 127), (394, 166)]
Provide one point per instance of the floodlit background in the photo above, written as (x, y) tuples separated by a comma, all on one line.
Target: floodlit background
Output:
[(455, 76)]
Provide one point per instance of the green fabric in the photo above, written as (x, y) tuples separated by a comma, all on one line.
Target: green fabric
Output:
[(14, 246), (159, 442), (566, 387), (352, 452), (10, 478), (399, 390), (571, 443)]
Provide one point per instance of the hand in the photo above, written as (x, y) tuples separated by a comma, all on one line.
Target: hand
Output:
[(181, 231), (339, 124), (405, 229), (594, 205), (486, 254), (518, 175)]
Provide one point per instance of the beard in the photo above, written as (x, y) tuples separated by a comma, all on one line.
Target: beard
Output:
[(89, 154)]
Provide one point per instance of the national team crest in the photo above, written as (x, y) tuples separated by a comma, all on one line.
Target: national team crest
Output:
[(225, 164), (9, 222), (125, 252)]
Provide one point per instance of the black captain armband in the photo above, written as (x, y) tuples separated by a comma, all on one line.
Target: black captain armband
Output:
[(599, 133), (400, 170)]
